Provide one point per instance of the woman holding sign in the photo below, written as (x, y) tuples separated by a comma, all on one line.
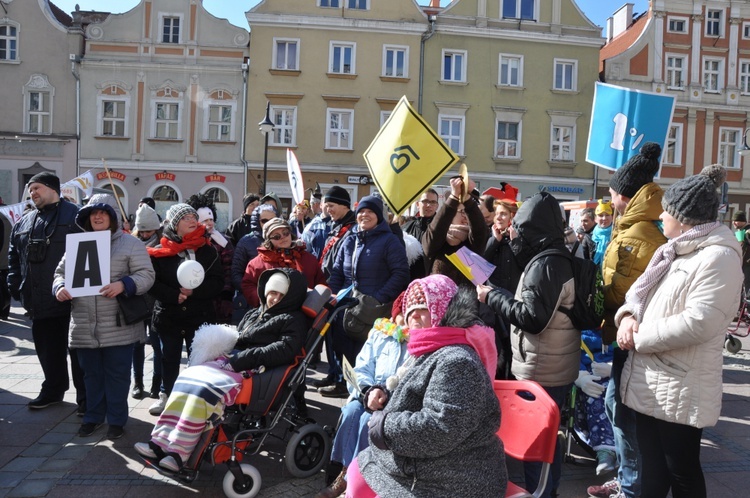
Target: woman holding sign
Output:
[(182, 303), (97, 327)]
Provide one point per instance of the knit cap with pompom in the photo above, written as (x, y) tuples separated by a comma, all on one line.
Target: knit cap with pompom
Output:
[(638, 171), (695, 200)]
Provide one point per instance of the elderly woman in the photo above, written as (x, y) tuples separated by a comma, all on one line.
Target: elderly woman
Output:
[(458, 223), (97, 327), (673, 322), (279, 249), (436, 437)]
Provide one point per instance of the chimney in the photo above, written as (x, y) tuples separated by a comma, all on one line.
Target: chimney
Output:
[(435, 4), (610, 28), (622, 19)]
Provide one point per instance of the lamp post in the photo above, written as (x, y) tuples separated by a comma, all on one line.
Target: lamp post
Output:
[(744, 150), (265, 127)]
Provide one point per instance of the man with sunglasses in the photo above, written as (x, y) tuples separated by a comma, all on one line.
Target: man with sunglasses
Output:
[(428, 205)]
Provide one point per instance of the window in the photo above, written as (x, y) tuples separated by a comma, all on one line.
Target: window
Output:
[(511, 70), (170, 29), (113, 118), (167, 120), (746, 30), (729, 146), (519, 9), (713, 22), (342, 58), (677, 24), (395, 61), (384, 115), (454, 65), (329, 3), (676, 66), (712, 74), (220, 122), (285, 54), (357, 4), (508, 140), (8, 43), (673, 154), (745, 77), (38, 110), (452, 132), (566, 75), (339, 128), (284, 126), (561, 143)]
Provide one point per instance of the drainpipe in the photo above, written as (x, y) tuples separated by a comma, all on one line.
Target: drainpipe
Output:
[(245, 66), (425, 36), (73, 69)]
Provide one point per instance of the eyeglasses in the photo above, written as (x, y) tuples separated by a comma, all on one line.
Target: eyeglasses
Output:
[(189, 217), (279, 236), (429, 202), (264, 221), (462, 212)]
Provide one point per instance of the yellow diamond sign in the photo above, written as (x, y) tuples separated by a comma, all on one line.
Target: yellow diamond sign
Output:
[(406, 157)]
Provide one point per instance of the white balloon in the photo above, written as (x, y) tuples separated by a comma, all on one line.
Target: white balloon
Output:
[(190, 274)]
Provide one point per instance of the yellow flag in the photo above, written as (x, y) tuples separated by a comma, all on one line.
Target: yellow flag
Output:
[(406, 157)]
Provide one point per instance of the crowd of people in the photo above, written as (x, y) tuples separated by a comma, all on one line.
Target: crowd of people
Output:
[(424, 341)]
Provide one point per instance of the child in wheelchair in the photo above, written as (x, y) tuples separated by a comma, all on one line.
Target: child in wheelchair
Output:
[(270, 336)]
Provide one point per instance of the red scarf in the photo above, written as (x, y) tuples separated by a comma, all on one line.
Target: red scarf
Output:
[(193, 240), (283, 258), (480, 338)]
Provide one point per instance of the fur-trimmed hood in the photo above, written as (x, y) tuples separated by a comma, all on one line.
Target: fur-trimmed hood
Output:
[(463, 310)]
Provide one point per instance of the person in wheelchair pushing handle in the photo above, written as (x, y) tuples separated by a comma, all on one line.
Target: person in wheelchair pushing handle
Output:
[(270, 336)]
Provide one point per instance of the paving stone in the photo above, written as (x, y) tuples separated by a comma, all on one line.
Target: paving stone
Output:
[(21, 464), (33, 488)]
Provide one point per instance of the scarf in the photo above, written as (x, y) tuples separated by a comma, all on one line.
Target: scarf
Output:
[(457, 234), (478, 337), (659, 266), (283, 258), (170, 247)]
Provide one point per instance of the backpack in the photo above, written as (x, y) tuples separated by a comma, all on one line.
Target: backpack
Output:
[(588, 307)]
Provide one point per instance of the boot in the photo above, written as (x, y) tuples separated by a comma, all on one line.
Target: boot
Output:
[(155, 386), (137, 391), (337, 488)]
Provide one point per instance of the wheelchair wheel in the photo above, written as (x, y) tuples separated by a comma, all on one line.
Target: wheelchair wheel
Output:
[(235, 489), (307, 451), (732, 344)]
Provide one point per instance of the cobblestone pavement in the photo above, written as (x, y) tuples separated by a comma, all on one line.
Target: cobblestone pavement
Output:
[(40, 454)]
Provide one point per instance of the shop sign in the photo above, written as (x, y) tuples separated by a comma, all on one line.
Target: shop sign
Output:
[(216, 178), (165, 176), (562, 189), (116, 175)]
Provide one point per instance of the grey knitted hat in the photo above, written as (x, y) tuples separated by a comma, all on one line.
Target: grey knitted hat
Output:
[(695, 200), (176, 212), (638, 171), (146, 219)]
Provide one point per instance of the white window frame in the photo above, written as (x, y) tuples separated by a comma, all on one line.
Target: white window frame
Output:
[(712, 21), (384, 115), (574, 76), (452, 53), (37, 115), (274, 61), (510, 57), (329, 6), (744, 76), (342, 46), (100, 119), (677, 19), (8, 24), (745, 31), (448, 139), (281, 127), (154, 122), (674, 143), (356, 2), (553, 143), (519, 125), (669, 71), (560, 119), (38, 83), (725, 147), (180, 32), (718, 72), (395, 49), (339, 131), (208, 124), (535, 14)]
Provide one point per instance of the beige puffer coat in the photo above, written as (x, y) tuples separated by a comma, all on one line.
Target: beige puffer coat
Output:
[(674, 374)]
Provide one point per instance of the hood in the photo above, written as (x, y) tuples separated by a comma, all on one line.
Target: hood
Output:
[(293, 299), (644, 206), (540, 226), (463, 310), (104, 202), (255, 216)]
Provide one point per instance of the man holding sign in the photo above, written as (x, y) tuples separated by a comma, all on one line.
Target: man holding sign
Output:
[(37, 242)]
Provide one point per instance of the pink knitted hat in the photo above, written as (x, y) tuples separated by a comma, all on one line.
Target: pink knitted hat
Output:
[(433, 293)]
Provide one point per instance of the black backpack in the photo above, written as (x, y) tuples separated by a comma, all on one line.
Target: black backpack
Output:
[(588, 308)]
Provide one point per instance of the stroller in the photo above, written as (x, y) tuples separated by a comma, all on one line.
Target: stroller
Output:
[(268, 401), (739, 328)]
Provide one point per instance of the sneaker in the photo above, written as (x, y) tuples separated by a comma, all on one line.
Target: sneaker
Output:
[(115, 432), (329, 380), (88, 429), (41, 402), (159, 405), (337, 390), (606, 461), (145, 450), (606, 490), (170, 463), (337, 487)]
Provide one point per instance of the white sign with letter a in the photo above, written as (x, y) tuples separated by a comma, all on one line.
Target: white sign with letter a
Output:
[(87, 262)]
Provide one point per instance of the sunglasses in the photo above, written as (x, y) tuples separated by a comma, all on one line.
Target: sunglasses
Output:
[(261, 221), (279, 236)]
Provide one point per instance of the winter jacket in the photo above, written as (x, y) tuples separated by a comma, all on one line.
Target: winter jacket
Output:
[(246, 247), (379, 358), (635, 238), (507, 272), (223, 302), (338, 231), (436, 248), (374, 260), (416, 228), (272, 337), (545, 344), (31, 283), (315, 235), (675, 372), (295, 257), (96, 321), (440, 428), (239, 228)]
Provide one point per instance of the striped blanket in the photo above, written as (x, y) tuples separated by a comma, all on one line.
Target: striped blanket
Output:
[(197, 402)]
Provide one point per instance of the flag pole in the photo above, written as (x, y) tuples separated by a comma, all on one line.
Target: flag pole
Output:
[(114, 192)]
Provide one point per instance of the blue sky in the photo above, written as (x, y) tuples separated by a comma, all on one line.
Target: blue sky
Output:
[(596, 10)]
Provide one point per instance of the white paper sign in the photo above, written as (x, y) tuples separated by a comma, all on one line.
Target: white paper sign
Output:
[(87, 262)]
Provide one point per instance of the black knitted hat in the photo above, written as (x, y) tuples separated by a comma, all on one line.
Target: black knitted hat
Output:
[(739, 216), (47, 179), (338, 195), (695, 200), (638, 171)]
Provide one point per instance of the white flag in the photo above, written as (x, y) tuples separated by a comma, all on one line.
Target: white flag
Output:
[(85, 182), (14, 211), (295, 177)]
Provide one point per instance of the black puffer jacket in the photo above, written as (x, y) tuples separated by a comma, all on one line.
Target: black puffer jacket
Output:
[(507, 272), (273, 336)]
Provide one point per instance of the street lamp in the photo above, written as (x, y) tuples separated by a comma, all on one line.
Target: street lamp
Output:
[(265, 127), (745, 150)]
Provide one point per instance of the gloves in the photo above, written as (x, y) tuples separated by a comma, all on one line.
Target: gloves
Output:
[(603, 370), (587, 383), (376, 424)]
